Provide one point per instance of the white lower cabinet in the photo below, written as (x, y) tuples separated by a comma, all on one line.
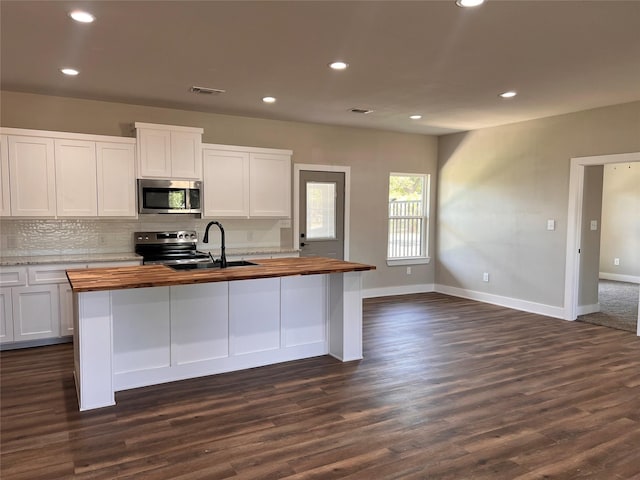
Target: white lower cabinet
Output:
[(36, 302), (6, 317), (66, 309), (35, 312), (254, 316)]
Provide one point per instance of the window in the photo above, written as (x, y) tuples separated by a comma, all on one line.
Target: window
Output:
[(408, 218), (321, 210)]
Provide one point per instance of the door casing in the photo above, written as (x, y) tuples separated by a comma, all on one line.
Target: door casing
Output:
[(574, 220), (297, 168)]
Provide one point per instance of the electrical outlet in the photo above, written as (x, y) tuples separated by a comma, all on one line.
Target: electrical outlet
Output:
[(616, 261), (408, 270), (485, 277)]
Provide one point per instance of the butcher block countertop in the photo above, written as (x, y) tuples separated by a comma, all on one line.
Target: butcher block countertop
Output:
[(120, 278)]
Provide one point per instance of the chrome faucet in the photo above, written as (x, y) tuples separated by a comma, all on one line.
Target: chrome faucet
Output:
[(223, 256)]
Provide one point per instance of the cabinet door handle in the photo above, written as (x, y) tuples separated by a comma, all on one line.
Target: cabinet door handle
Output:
[(302, 244)]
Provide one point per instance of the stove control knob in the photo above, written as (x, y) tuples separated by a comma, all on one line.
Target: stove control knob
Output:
[(179, 235)]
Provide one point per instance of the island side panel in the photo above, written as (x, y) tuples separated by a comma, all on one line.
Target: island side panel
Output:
[(345, 316), (199, 322), (93, 345), (254, 316), (304, 311), (141, 336)]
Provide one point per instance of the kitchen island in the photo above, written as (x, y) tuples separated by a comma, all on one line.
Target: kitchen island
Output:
[(140, 326)]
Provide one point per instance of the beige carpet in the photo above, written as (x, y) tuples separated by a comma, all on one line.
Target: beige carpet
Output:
[(618, 306)]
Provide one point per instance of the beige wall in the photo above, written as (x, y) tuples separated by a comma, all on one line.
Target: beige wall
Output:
[(371, 154), (621, 220), (497, 187)]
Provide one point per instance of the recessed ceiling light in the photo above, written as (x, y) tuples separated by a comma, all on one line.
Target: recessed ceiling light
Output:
[(469, 3), (415, 117), (338, 65), (82, 17), (269, 99), (509, 94), (70, 71)]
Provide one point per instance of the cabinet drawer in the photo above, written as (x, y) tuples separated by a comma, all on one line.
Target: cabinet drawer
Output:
[(50, 274), (13, 276)]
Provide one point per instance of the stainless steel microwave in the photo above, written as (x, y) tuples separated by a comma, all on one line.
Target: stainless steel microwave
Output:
[(169, 196)]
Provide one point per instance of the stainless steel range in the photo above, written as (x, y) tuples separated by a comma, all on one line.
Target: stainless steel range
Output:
[(169, 248)]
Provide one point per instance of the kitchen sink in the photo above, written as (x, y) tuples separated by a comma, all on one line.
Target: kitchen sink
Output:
[(202, 266)]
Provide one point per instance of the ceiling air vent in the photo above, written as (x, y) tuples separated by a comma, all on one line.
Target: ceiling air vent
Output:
[(363, 111), (206, 91)]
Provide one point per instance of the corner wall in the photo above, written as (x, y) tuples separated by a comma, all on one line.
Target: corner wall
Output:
[(497, 187)]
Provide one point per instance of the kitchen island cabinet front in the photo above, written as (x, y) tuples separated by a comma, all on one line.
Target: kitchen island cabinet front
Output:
[(129, 338)]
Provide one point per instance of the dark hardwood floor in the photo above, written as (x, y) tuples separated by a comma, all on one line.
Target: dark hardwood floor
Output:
[(449, 389)]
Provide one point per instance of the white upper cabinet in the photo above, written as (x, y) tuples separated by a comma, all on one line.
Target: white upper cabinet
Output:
[(5, 196), (186, 154), (246, 182), (76, 190), (270, 185), (166, 151), (116, 177), (226, 183), (60, 174), (32, 176)]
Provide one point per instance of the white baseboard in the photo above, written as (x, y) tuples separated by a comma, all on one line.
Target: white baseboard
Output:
[(517, 304), (619, 278), (399, 290), (587, 309)]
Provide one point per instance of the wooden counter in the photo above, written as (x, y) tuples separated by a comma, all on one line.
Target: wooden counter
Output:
[(119, 278)]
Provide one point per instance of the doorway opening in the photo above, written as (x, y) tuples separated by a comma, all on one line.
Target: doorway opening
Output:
[(575, 221)]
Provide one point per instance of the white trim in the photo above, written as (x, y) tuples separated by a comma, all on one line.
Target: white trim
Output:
[(587, 309), (574, 219), (174, 128), (397, 290), (297, 168), (235, 148), (618, 277), (425, 217), (65, 135), (392, 262), (515, 303)]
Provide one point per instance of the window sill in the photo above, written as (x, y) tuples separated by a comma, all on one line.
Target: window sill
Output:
[(408, 261)]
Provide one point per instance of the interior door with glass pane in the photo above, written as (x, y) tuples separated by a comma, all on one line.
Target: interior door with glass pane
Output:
[(322, 214)]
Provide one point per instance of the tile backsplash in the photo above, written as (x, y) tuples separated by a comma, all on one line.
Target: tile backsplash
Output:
[(20, 237)]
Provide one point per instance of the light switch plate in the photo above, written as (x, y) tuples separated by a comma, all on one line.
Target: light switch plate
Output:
[(551, 224), (594, 224)]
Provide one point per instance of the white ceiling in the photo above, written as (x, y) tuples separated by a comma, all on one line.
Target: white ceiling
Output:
[(406, 57)]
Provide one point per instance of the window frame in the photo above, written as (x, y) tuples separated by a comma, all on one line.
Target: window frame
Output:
[(423, 258)]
